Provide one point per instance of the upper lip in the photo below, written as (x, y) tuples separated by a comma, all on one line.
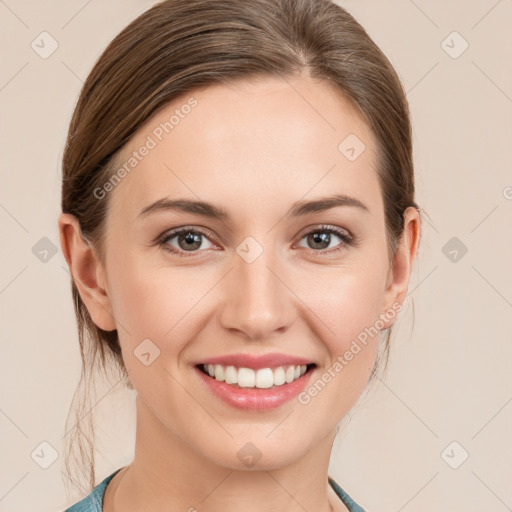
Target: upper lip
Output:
[(256, 362)]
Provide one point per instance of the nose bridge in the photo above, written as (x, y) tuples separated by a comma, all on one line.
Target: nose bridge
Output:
[(256, 300)]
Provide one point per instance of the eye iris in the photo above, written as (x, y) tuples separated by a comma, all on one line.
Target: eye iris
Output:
[(320, 238), (191, 238)]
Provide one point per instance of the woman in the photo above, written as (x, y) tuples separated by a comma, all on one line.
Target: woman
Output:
[(240, 225)]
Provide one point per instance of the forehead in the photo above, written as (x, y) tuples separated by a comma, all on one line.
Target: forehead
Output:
[(250, 143)]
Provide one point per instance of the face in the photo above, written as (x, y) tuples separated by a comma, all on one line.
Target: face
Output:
[(271, 276)]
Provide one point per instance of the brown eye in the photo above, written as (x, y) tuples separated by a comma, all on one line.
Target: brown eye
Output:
[(320, 239), (188, 240)]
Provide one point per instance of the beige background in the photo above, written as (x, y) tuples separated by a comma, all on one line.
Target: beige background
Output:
[(449, 378)]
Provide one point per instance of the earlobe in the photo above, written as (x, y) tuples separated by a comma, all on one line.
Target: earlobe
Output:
[(400, 273), (87, 271)]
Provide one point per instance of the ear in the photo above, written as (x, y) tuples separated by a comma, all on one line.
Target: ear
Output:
[(87, 271), (400, 272)]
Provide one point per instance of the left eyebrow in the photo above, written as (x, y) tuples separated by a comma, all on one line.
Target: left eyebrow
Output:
[(299, 208), (325, 203)]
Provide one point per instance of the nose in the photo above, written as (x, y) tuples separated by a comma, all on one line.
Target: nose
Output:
[(256, 299)]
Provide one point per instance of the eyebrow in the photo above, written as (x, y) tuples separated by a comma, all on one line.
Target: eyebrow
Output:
[(205, 209)]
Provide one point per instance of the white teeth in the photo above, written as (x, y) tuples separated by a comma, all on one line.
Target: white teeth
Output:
[(249, 378), (246, 377), (264, 378), (290, 374), (231, 375), (279, 376), (219, 372)]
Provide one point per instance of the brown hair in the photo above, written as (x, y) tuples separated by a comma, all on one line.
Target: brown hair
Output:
[(179, 45)]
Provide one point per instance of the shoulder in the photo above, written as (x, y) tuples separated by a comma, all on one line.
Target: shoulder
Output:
[(93, 502), (344, 497)]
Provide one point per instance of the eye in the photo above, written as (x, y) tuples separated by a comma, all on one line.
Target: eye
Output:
[(188, 240), (321, 237), (191, 240)]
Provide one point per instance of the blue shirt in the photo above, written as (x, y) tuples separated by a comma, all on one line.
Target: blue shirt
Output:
[(94, 501)]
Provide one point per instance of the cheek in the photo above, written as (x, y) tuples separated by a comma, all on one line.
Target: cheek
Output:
[(346, 301), (156, 308), (150, 300), (160, 304), (350, 307)]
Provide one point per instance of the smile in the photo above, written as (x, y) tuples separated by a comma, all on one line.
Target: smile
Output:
[(257, 390), (261, 378)]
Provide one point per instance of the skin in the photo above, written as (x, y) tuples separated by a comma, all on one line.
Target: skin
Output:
[(253, 148)]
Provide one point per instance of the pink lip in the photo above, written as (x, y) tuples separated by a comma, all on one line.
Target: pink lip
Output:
[(256, 362), (254, 399)]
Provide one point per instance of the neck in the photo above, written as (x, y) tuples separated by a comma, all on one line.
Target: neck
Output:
[(168, 474)]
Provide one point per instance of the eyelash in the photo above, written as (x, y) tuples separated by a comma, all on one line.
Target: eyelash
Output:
[(347, 240)]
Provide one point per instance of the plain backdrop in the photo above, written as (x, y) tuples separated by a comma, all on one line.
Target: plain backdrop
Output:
[(435, 433)]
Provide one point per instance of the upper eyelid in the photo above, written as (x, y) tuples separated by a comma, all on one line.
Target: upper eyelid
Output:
[(205, 231), (320, 227)]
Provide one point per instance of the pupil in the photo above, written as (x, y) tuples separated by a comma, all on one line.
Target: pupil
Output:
[(190, 238), (321, 238)]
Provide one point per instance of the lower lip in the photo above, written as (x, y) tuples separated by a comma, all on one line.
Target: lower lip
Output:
[(255, 399)]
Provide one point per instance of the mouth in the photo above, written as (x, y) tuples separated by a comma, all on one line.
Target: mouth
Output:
[(249, 378)]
